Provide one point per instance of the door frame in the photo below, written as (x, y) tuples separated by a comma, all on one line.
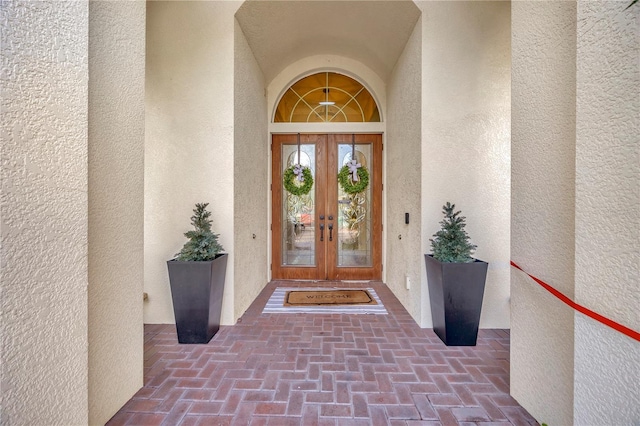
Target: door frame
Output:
[(327, 257)]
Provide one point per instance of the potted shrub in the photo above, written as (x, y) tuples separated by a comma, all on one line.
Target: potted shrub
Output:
[(196, 277), (456, 282)]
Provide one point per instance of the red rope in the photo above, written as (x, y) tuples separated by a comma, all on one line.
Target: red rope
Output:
[(588, 312)]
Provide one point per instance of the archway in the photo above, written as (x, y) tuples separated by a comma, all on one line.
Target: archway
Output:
[(360, 39)]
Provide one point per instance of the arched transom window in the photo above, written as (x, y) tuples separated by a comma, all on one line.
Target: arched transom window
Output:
[(327, 97)]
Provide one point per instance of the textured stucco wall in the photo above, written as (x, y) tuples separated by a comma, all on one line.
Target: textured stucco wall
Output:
[(607, 244), (251, 180), (466, 136), (403, 170), (189, 138), (542, 226), (43, 306), (116, 195)]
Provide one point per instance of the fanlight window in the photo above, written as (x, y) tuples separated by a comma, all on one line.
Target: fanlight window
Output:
[(327, 97)]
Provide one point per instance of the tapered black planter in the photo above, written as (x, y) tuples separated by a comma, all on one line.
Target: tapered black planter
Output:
[(196, 290), (456, 291)]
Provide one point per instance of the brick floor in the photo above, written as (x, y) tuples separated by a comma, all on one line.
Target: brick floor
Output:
[(329, 369)]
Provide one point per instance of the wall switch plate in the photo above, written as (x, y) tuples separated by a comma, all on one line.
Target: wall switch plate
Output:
[(407, 282)]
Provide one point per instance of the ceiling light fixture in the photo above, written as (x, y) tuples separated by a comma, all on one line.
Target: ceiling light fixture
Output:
[(326, 98)]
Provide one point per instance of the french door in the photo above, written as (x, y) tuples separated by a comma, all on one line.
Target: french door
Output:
[(327, 234)]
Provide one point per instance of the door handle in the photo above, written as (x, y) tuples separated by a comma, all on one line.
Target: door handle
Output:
[(331, 232), (322, 231)]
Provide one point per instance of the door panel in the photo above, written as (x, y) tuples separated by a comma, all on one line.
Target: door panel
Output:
[(356, 250), (298, 252), (327, 234)]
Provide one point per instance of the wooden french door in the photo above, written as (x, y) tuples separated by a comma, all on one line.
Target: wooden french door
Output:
[(327, 234)]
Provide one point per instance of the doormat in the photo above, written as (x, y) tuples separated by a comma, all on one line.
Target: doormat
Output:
[(328, 297), (276, 303)]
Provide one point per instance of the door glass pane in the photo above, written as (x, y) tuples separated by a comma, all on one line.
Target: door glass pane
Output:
[(354, 214), (298, 212)]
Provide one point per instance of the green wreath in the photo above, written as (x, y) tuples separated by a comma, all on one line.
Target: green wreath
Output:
[(289, 179), (349, 186)]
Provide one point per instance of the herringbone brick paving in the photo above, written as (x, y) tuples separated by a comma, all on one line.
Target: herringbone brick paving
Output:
[(328, 369)]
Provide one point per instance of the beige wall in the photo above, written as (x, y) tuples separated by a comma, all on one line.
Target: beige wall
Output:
[(189, 138), (466, 67), (569, 173), (576, 209), (542, 226), (403, 170), (43, 306), (116, 171), (607, 244), (251, 179)]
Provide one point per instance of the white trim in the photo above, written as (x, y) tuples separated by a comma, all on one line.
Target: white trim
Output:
[(326, 128)]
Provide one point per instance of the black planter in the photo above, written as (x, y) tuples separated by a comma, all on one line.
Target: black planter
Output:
[(196, 290), (455, 292)]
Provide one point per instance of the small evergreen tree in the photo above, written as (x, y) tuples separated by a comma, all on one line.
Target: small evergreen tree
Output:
[(203, 244), (451, 242)]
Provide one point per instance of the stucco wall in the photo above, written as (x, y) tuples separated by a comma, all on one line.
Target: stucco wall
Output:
[(116, 171), (403, 170), (466, 136), (251, 179), (607, 271), (542, 226), (189, 138), (43, 306)]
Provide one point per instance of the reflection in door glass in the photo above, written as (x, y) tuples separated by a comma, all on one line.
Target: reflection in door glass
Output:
[(298, 212), (354, 214)]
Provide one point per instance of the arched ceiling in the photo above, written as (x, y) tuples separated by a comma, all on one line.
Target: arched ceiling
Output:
[(372, 32)]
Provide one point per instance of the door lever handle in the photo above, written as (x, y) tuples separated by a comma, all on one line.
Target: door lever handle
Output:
[(322, 231), (331, 232)]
